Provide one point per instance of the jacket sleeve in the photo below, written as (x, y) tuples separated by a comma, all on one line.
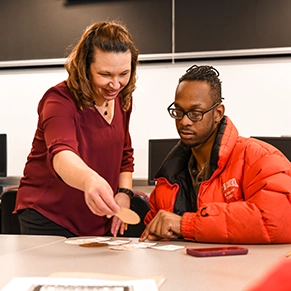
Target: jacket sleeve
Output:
[(261, 215), (163, 197)]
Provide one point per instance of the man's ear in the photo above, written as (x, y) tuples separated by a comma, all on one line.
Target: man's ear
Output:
[(219, 113)]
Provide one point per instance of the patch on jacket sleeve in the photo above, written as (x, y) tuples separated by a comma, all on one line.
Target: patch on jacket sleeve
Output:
[(229, 188)]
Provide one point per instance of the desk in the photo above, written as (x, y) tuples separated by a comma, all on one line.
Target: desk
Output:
[(13, 244), (182, 272)]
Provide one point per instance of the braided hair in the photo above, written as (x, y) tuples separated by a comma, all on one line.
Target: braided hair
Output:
[(206, 74)]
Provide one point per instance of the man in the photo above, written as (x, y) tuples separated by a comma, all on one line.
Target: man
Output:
[(216, 186)]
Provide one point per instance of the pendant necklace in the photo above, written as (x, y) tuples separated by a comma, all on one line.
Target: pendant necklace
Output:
[(106, 108), (98, 108)]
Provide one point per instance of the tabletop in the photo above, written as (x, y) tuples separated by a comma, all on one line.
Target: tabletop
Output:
[(181, 271), (16, 243)]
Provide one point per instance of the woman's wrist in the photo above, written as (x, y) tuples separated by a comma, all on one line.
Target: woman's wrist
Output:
[(126, 191)]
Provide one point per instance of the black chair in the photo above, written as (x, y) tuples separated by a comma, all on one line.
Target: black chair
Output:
[(140, 205), (9, 221)]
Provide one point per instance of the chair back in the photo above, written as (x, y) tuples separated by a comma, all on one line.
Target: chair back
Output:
[(140, 205), (9, 221)]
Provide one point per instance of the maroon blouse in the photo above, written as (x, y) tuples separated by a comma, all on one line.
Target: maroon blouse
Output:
[(106, 148)]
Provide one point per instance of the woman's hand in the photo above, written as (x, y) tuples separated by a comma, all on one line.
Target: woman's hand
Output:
[(99, 197), (123, 200)]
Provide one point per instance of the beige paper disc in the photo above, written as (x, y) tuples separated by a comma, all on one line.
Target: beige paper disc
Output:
[(128, 216)]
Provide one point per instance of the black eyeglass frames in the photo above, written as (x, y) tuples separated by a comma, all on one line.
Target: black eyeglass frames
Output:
[(193, 115)]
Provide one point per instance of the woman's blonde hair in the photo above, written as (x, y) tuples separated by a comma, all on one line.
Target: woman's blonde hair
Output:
[(108, 37)]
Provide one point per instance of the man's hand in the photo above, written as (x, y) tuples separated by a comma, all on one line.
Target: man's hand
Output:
[(164, 225)]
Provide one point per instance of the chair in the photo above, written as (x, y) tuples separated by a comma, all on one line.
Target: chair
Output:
[(9, 221), (139, 204)]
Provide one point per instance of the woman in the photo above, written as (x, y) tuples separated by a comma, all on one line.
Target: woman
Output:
[(81, 153)]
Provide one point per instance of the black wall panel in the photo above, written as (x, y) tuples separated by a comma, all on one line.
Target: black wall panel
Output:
[(44, 29), (210, 25)]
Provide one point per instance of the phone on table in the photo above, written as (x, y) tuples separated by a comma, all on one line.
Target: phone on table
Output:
[(217, 251)]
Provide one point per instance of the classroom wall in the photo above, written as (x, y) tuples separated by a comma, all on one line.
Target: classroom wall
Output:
[(257, 95)]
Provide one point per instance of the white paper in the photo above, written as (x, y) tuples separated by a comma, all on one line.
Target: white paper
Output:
[(168, 247), (66, 284)]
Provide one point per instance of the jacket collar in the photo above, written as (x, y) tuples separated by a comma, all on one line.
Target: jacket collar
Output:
[(177, 160)]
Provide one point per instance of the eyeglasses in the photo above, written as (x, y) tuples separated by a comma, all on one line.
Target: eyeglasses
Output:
[(193, 115)]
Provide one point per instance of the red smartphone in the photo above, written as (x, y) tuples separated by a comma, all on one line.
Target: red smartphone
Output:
[(217, 251)]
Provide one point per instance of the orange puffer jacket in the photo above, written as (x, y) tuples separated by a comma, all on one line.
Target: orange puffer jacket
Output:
[(246, 200)]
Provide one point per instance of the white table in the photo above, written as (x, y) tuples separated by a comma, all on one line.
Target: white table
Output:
[(182, 272), (12, 244)]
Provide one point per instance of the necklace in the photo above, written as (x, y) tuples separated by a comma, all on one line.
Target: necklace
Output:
[(106, 107), (98, 108)]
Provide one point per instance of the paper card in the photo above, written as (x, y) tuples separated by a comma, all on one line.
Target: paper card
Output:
[(128, 216), (124, 247), (132, 246), (84, 240), (117, 242), (143, 245), (159, 279), (96, 241), (168, 247), (51, 283)]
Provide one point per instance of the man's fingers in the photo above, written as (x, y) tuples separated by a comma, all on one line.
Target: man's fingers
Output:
[(150, 236), (160, 227), (153, 237), (144, 235)]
